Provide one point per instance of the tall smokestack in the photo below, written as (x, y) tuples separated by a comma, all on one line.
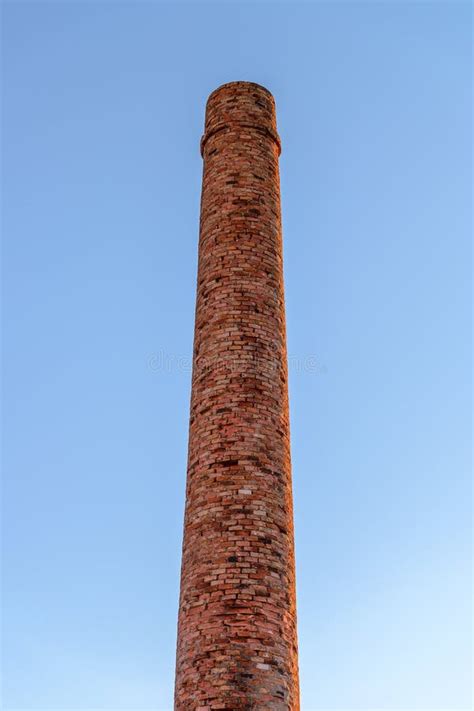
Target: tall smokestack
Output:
[(237, 646)]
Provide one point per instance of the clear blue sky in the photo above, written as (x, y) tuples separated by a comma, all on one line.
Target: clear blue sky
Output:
[(102, 115)]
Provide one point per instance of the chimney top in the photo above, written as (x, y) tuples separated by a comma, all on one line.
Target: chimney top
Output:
[(240, 105)]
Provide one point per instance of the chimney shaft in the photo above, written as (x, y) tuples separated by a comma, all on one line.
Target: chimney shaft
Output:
[(237, 646)]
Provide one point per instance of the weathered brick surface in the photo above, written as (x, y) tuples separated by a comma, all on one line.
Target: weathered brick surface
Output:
[(237, 644)]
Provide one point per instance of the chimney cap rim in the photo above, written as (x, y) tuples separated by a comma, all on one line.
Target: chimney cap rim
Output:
[(248, 84)]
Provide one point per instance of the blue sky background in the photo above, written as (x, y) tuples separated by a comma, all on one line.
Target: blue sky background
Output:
[(103, 109)]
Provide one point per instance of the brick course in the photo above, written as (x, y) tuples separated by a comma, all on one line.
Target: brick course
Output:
[(237, 646)]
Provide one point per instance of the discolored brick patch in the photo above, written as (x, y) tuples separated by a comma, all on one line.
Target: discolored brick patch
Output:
[(237, 645)]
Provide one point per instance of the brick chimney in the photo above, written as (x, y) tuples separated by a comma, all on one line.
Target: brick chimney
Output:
[(237, 646)]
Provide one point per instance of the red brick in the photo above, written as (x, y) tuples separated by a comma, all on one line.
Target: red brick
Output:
[(237, 645)]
